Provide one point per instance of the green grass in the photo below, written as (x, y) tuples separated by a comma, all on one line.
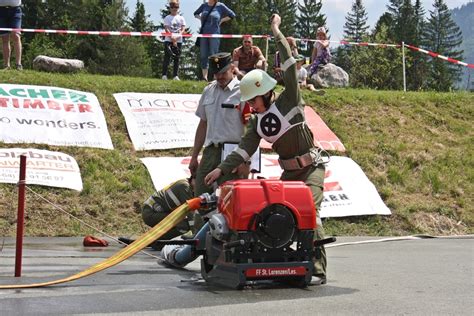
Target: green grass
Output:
[(417, 148)]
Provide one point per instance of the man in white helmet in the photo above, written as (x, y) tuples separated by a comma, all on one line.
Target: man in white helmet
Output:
[(281, 122)]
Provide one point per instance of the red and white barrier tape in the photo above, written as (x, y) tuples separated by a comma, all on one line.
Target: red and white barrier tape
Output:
[(156, 34), (436, 55), (343, 42), (121, 33)]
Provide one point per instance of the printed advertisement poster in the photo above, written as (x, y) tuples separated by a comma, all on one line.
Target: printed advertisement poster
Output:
[(164, 121), (159, 121), (53, 116), (43, 167), (347, 190)]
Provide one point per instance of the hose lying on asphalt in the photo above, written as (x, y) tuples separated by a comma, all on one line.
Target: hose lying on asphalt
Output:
[(156, 232)]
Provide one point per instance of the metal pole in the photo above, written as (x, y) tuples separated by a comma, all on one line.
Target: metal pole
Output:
[(20, 217), (404, 69), (266, 53)]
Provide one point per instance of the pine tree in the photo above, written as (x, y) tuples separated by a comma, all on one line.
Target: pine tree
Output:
[(114, 55), (442, 36), (419, 60), (403, 17), (251, 18), (355, 28), (309, 19), (286, 10), (140, 20)]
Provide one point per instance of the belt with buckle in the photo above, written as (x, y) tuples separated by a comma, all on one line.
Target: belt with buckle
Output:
[(313, 157)]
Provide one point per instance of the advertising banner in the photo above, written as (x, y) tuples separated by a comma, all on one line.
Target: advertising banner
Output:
[(43, 167), (347, 190), (53, 116), (164, 121), (158, 120)]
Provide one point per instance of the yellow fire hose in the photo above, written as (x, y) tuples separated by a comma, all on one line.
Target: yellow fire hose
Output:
[(156, 232)]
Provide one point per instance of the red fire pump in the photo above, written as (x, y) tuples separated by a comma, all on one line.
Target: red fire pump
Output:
[(262, 231)]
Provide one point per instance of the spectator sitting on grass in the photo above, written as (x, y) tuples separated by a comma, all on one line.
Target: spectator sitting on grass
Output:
[(303, 74), (247, 57)]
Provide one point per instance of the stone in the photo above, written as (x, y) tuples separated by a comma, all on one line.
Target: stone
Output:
[(53, 64), (330, 75)]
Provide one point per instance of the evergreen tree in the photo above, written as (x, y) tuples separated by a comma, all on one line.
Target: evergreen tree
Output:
[(394, 10), (286, 10), (355, 28), (139, 22), (251, 18), (309, 19), (384, 64), (418, 69), (442, 36), (115, 55)]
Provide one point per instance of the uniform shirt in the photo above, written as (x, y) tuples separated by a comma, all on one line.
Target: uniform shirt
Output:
[(212, 25), (294, 142), (247, 60), (174, 23), (10, 3), (224, 124)]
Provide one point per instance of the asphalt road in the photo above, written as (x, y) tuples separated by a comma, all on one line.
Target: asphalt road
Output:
[(412, 277)]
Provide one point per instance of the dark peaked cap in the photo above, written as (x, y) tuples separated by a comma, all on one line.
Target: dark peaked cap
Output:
[(219, 62)]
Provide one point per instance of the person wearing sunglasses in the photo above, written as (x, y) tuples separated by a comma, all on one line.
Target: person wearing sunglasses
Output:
[(281, 121), (247, 57), (174, 23)]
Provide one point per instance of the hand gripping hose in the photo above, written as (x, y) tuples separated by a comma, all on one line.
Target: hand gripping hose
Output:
[(156, 232)]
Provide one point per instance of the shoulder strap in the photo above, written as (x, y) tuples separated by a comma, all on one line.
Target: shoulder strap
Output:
[(205, 20)]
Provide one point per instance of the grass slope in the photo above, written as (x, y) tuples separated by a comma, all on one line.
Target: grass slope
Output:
[(417, 148)]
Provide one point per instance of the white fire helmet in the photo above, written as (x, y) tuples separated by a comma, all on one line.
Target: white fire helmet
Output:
[(254, 83)]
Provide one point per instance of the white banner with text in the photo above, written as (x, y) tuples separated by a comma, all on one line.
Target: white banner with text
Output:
[(164, 121), (158, 120), (53, 116), (347, 190), (43, 167)]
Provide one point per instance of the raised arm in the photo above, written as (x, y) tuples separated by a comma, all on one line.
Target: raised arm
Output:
[(288, 64)]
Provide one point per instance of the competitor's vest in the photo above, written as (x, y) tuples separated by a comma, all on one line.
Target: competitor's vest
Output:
[(271, 124)]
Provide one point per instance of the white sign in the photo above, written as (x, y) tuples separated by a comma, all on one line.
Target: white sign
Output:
[(159, 121), (43, 167), (51, 115), (347, 190)]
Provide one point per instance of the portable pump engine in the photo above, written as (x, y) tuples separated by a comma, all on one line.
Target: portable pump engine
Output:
[(261, 231)]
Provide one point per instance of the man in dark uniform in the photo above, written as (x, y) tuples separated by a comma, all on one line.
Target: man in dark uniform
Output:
[(281, 122)]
